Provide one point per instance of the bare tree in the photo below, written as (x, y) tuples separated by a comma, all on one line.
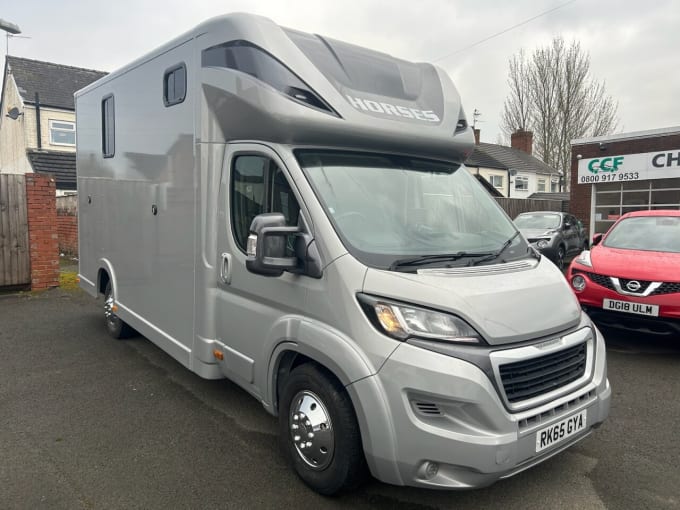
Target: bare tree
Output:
[(553, 95)]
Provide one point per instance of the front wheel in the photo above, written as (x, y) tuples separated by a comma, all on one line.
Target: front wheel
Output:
[(114, 324), (559, 258), (319, 432)]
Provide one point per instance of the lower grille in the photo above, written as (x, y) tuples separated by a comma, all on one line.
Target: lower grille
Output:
[(526, 379)]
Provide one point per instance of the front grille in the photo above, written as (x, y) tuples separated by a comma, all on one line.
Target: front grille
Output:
[(667, 288), (605, 281), (523, 380), (602, 280)]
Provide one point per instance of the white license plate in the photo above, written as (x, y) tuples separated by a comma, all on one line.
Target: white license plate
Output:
[(560, 431), (631, 307)]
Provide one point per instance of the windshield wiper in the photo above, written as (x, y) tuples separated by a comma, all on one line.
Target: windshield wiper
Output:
[(497, 253), (427, 259)]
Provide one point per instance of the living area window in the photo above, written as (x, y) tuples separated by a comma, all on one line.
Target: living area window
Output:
[(541, 185), (62, 133)]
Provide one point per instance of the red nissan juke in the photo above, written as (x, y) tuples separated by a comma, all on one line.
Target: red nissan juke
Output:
[(630, 278)]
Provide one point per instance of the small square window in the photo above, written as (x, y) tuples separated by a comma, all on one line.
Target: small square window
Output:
[(175, 85)]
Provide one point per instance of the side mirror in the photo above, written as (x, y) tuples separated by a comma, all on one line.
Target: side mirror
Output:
[(567, 226), (596, 239), (267, 243)]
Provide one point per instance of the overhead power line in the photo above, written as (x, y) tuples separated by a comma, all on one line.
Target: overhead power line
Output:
[(503, 31)]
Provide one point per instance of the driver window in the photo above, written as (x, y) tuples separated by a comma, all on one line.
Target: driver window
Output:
[(259, 186)]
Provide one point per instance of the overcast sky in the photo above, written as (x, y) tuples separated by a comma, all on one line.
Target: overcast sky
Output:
[(634, 45)]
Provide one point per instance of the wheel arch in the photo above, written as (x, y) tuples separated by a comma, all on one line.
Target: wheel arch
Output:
[(366, 396), (106, 274)]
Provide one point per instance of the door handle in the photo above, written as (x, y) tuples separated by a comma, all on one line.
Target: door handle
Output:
[(225, 268)]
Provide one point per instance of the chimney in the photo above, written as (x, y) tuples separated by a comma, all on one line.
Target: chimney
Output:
[(522, 140), (476, 136)]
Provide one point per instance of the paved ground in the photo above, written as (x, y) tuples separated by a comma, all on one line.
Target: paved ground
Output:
[(89, 422)]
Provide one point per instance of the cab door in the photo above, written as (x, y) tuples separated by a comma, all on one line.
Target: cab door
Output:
[(251, 308)]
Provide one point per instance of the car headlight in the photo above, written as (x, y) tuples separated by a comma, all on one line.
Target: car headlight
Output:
[(584, 259), (543, 243), (402, 321)]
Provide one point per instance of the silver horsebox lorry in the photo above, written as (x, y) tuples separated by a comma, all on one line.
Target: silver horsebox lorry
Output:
[(292, 212)]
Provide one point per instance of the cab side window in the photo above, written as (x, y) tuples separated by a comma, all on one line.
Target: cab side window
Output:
[(259, 186)]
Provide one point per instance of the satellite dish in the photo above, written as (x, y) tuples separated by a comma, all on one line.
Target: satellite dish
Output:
[(14, 113), (513, 172)]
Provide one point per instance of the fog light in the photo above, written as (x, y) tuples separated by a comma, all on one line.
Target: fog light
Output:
[(431, 469), (578, 282)]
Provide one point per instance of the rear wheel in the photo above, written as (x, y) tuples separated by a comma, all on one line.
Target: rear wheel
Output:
[(114, 324), (319, 432)]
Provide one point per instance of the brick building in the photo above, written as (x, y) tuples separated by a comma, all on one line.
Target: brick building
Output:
[(616, 174)]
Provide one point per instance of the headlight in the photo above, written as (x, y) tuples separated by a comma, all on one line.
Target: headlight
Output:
[(543, 243), (402, 321), (578, 282), (584, 259)]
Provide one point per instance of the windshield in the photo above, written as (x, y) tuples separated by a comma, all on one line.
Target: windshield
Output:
[(542, 221), (648, 233), (388, 210)]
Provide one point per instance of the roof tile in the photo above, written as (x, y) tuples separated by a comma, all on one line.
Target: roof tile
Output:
[(61, 165), (55, 83)]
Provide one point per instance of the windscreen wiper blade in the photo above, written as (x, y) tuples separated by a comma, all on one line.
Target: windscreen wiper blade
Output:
[(427, 259), (497, 253)]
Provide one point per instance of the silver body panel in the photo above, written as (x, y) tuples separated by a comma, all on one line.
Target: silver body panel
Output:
[(180, 279)]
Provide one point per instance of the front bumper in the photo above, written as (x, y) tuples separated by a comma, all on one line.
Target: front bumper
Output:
[(592, 297), (448, 427)]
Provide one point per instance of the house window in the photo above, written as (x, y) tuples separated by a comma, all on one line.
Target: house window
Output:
[(108, 127), (554, 187), (259, 186), (175, 85), (496, 181), (521, 182), (62, 132), (541, 185)]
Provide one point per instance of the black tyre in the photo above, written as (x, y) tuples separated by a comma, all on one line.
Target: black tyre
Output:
[(114, 324), (559, 258), (319, 432)]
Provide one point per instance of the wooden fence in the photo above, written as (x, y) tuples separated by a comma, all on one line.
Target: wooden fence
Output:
[(15, 268), (515, 206)]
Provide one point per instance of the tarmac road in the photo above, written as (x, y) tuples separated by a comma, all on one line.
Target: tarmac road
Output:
[(90, 422)]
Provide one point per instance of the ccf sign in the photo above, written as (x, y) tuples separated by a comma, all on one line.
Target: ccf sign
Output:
[(630, 167), (605, 164)]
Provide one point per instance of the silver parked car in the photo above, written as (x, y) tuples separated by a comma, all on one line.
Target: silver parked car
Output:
[(556, 235)]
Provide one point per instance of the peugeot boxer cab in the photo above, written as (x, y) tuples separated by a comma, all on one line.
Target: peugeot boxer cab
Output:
[(294, 213)]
